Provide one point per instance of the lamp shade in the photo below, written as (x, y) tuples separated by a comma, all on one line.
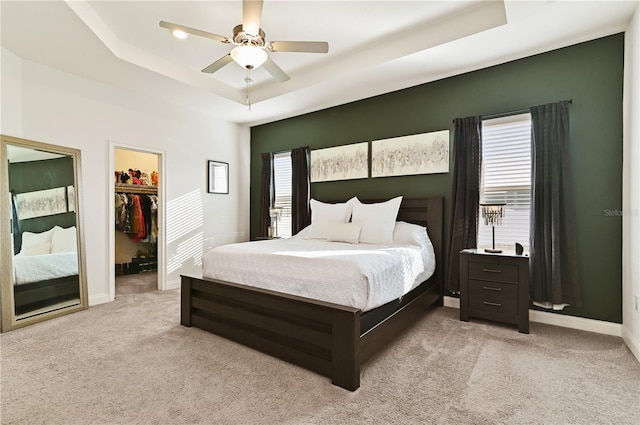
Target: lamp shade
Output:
[(275, 212), (248, 56), (492, 214)]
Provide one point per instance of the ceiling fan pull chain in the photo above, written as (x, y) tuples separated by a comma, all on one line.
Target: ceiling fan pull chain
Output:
[(248, 80)]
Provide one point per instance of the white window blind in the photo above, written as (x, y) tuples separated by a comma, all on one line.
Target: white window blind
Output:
[(506, 178), (282, 180)]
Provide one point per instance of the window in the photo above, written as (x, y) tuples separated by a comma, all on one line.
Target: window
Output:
[(282, 179), (506, 178)]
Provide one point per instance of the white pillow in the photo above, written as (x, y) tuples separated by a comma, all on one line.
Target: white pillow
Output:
[(324, 215), (30, 239), (303, 234), (377, 220), (409, 234), (64, 240), (37, 249), (344, 232)]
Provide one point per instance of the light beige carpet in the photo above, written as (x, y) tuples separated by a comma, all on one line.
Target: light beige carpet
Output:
[(131, 362), (136, 283)]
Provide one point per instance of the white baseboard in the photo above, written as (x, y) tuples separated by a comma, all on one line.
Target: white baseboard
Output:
[(173, 284), (590, 325), (452, 302), (99, 299), (631, 342)]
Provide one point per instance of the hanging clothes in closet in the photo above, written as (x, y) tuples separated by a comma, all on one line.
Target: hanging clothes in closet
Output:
[(137, 216)]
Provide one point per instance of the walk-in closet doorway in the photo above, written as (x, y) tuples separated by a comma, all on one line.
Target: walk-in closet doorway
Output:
[(136, 236)]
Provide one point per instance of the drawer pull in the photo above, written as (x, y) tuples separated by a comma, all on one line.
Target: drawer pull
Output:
[(493, 304), (492, 271), (490, 288)]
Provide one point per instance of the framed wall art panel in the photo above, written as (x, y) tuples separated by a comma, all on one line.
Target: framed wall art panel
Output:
[(42, 203), (426, 153), (340, 163)]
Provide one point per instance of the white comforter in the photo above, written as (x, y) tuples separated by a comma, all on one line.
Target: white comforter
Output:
[(357, 275), (35, 268)]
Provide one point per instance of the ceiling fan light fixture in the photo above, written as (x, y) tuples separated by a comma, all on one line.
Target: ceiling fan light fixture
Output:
[(179, 34), (248, 56)]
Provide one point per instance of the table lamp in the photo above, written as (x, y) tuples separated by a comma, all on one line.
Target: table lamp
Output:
[(274, 213), (492, 215)]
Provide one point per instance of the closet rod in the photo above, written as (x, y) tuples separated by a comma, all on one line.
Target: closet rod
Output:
[(136, 188), (506, 114)]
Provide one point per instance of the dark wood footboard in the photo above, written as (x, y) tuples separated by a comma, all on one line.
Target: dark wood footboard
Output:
[(323, 337), (329, 339), (32, 296), (316, 335)]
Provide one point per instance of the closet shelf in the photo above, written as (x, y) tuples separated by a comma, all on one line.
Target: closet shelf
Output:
[(136, 188)]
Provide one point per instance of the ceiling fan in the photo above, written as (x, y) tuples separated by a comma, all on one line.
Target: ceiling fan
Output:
[(251, 44)]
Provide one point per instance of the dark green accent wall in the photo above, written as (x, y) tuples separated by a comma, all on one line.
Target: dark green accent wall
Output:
[(590, 73), (40, 175)]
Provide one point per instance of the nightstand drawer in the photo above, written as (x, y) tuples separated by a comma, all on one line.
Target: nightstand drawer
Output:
[(493, 305), (480, 289), (493, 271)]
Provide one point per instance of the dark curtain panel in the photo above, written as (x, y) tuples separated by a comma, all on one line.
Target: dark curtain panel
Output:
[(300, 217), (465, 194), (15, 225), (266, 193), (554, 263)]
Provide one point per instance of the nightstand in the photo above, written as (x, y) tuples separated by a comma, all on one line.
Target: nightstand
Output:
[(495, 287)]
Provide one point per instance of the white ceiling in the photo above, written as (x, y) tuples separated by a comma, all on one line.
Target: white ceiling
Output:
[(374, 46)]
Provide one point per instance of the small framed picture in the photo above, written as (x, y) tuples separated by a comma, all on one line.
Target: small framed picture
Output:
[(217, 177)]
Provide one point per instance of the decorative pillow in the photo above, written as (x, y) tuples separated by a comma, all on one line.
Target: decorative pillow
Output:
[(64, 240), (324, 215), (409, 234), (30, 239), (377, 220), (37, 249), (303, 234), (344, 232)]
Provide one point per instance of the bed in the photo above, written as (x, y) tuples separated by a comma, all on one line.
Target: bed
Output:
[(45, 272), (328, 338)]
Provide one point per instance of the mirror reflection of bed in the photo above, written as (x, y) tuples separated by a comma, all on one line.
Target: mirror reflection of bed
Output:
[(44, 237), (46, 272)]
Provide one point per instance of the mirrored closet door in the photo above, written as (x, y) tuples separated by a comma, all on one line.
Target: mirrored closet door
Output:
[(42, 258)]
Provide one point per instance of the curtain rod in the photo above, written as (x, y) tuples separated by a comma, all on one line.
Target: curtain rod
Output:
[(515, 112), (286, 150)]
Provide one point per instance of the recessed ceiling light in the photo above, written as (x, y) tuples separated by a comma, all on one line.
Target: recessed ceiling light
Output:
[(179, 34)]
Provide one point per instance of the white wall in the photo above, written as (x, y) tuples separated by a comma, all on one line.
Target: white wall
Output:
[(631, 189), (47, 105)]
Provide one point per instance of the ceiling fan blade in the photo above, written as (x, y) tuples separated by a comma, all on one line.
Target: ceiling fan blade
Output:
[(275, 70), (218, 64), (172, 27), (251, 15), (299, 46)]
